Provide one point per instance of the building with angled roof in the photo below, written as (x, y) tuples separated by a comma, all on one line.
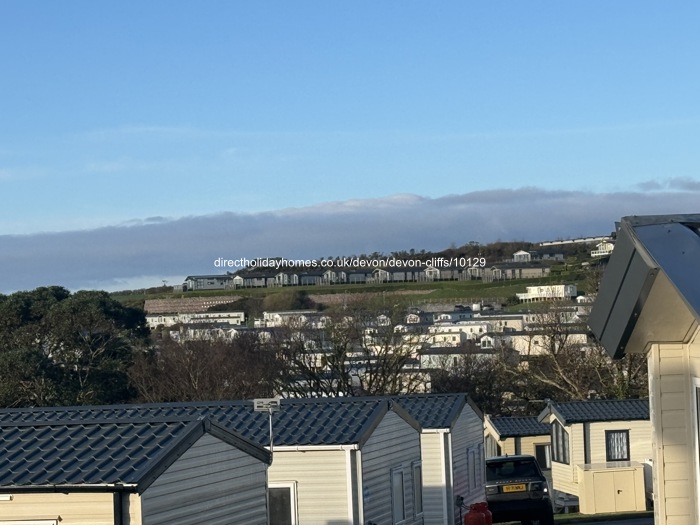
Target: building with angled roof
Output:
[(452, 453), (136, 471), (518, 435), (521, 256), (603, 249), (599, 451), (170, 319), (649, 303), (548, 292), (347, 461), (520, 270), (207, 282), (344, 461)]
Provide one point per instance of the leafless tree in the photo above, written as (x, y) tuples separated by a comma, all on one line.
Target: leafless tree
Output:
[(483, 376), (567, 364), (205, 370), (361, 348)]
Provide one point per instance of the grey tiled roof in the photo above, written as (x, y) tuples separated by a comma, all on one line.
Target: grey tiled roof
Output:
[(433, 410), (519, 426), (326, 421), (211, 276), (98, 452), (599, 410)]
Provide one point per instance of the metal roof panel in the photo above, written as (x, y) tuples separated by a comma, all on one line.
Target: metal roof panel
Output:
[(596, 410), (519, 426)]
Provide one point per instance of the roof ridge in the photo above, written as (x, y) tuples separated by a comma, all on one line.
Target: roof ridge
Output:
[(116, 420), (582, 401)]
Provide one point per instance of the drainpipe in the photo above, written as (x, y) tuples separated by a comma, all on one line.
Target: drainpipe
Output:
[(118, 500)]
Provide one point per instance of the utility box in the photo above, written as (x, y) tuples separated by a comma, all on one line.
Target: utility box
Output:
[(616, 486)]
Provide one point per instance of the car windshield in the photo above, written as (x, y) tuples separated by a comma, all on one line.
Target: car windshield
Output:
[(517, 468)]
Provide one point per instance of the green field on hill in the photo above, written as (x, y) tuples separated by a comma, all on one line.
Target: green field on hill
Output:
[(415, 293)]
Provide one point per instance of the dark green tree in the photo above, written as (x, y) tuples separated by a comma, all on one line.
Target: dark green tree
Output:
[(57, 348), (95, 339)]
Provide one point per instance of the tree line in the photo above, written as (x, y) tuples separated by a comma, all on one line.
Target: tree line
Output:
[(560, 366), (58, 348), (61, 348)]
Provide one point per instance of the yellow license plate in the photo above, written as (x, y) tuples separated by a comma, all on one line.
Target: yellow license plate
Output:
[(514, 488)]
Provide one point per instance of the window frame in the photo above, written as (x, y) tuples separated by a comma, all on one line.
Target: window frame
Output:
[(471, 468), (475, 467), (292, 486), (394, 473), (560, 444), (608, 455), (417, 481), (547, 447), (492, 447)]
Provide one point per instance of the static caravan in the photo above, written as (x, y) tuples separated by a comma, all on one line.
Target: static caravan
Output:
[(599, 449), (518, 435), (339, 461), (119, 471), (345, 461), (649, 303), (452, 452)]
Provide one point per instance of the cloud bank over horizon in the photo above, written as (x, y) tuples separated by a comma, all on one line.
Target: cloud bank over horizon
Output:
[(144, 252)]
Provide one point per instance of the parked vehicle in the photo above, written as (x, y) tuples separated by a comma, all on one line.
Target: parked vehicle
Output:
[(516, 490)]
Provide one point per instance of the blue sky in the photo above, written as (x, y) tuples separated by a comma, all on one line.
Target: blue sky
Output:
[(122, 114)]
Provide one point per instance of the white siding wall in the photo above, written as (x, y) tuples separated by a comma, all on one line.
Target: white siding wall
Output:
[(691, 451), (468, 444), (591, 437), (74, 509), (435, 478), (131, 507), (527, 444), (321, 483), (672, 368), (639, 435), (393, 444), (508, 446), (563, 475), (214, 483)]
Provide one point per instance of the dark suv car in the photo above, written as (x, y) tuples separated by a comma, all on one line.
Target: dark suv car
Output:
[(516, 490)]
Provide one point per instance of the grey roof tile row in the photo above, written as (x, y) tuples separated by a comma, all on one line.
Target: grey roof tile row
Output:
[(106, 453), (519, 426), (130, 444), (320, 421), (433, 410), (598, 410)]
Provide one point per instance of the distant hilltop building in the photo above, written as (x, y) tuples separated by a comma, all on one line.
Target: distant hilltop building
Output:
[(171, 319), (580, 240), (552, 292), (207, 282), (603, 249), (522, 256)]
